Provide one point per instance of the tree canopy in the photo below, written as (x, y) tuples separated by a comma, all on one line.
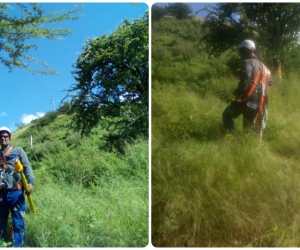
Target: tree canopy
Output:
[(177, 10), (112, 81), (271, 25), (19, 25), (157, 12)]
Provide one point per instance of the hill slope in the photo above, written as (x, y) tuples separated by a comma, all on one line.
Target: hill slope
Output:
[(210, 189), (84, 194)]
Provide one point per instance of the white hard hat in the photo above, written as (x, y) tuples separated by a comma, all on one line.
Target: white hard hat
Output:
[(248, 44), (4, 129)]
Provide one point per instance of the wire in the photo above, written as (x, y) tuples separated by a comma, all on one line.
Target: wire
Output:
[(41, 86)]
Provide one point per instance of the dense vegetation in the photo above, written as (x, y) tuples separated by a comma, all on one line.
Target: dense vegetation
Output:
[(85, 195), (112, 82), (178, 10), (274, 26), (210, 189), (90, 158)]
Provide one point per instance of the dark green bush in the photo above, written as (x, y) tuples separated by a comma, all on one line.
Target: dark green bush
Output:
[(46, 120)]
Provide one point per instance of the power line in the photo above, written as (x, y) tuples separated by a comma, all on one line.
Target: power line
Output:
[(52, 99), (41, 85)]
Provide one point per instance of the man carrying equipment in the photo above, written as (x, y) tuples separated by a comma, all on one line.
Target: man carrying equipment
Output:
[(12, 198), (252, 91)]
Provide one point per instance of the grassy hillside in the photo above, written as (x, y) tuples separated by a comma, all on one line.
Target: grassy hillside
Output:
[(84, 194), (210, 189)]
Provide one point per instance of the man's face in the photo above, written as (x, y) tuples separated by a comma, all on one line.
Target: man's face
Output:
[(4, 138)]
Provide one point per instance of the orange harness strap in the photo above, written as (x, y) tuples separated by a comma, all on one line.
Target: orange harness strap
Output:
[(263, 99), (254, 84), (18, 186), (263, 77), (5, 156)]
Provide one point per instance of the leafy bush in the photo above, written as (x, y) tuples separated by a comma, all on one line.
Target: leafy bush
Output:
[(46, 120)]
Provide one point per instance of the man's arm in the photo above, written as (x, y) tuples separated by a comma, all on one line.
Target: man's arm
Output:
[(245, 79), (27, 169)]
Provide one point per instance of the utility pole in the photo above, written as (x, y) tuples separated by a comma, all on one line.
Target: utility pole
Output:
[(53, 103)]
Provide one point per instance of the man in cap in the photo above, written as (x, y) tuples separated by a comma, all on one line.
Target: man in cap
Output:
[(12, 198), (246, 102)]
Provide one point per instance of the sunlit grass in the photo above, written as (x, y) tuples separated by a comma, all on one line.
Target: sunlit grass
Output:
[(84, 194), (72, 216), (212, 189)]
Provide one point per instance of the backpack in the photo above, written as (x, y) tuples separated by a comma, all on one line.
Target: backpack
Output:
[(9, 178)]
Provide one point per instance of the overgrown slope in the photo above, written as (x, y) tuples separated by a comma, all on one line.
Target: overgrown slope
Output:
[(85, 195), (210, 189)]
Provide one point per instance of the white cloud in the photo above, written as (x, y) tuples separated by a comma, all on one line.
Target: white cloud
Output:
[(3, 114), (26, 119)]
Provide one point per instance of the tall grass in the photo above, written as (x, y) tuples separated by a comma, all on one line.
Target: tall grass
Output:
[(210, 189), (227, 193), (72, 216), (85, 195)]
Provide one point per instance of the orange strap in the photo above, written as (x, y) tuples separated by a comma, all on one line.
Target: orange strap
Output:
[(263, 99), (3, 161), (254, 84), (18, 186)]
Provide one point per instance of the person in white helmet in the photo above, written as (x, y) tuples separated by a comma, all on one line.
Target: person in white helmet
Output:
[(12, 198), (246, 102)]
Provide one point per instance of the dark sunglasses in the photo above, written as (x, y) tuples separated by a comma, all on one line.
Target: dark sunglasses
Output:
[(4, 136)]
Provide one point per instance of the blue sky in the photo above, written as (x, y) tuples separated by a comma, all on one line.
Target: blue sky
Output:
[(25, 96)]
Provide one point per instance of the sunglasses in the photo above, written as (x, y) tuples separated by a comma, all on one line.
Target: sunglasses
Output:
[(4, 136)]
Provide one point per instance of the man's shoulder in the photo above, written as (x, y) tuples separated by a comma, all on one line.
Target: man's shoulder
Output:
[(17, 149), (253, 61)]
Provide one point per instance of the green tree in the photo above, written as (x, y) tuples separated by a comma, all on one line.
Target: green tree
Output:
[(179, 10), (158, 12), (19, 25), (277, 25), (64, 107), (112, 81), (274, 26), (222, 30)]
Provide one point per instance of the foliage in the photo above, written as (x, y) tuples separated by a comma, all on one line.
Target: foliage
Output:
[(112, 81), (272, 26), (46, 120), (16, 30), (176, 54), (179, 10), (73, 175), (70, 215), (277, 24), (210, 189), (291, 59), (157, 12), (65, 108)]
